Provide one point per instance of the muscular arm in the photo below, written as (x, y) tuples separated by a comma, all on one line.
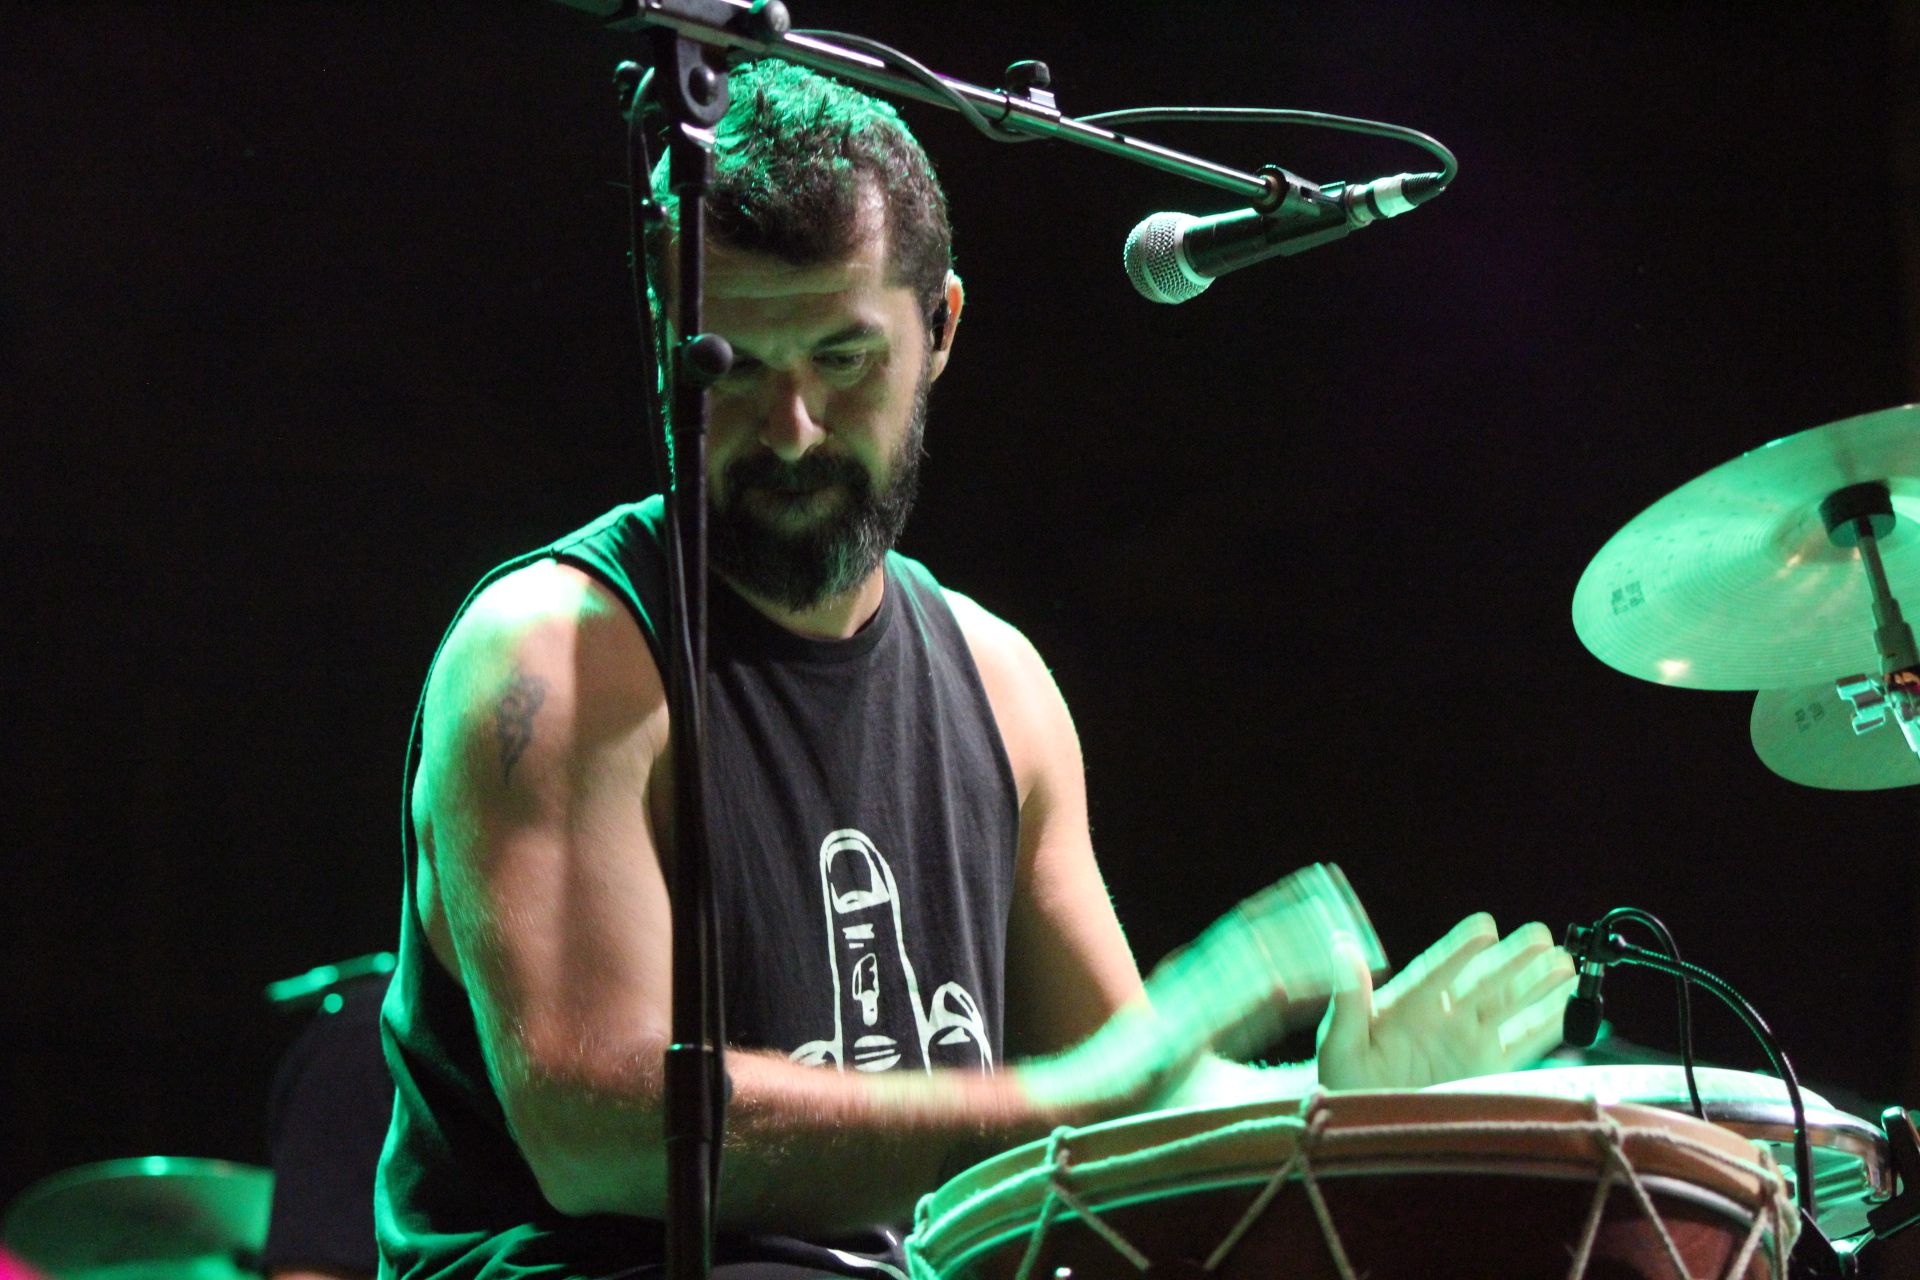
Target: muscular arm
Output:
[(543, 893)]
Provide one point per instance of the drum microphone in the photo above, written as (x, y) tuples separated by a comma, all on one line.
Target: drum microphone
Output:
[(1586, 1008), (1171, 257)]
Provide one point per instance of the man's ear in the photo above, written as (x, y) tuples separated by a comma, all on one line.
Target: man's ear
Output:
[(946, 318)]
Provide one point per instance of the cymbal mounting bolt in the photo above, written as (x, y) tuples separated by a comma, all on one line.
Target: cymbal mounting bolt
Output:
[(1844, 510)]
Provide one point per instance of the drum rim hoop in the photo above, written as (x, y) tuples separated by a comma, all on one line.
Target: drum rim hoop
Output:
[(926, 1248)]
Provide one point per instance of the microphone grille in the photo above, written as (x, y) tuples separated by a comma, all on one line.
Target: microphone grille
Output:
[(1152, 258), (1581, 1024)]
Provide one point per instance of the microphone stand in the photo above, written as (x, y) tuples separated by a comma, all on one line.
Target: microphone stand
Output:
[(692, 43), (692, 90)]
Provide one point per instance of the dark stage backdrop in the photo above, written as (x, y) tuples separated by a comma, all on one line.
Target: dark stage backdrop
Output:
[(311, 312)]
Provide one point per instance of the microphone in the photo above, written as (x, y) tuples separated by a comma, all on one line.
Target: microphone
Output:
[(1585, 1007), (1171, 257)]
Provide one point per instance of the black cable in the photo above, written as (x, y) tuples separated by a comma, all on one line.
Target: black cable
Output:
[(1802, 1148), (1655, 926), (928, 78), (1280, 115), (925, 75)]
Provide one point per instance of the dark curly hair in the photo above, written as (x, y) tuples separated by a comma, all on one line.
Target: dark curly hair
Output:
[(794, 159)]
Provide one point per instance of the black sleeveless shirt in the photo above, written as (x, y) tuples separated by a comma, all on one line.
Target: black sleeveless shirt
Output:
[(865, 824)]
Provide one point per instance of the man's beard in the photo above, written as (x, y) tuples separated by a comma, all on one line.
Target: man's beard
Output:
[(798, 568)]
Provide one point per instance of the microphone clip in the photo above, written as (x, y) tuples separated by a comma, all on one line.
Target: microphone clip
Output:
[(1298, 213), (1590, 944)]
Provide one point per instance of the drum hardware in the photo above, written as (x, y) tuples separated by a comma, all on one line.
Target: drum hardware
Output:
[(1860, 516), (168, 1217), (1885, 1251), (1874, 700), (158, 1217), (1903, 1146)]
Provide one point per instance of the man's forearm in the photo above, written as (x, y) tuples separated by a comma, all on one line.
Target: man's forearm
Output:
[(862, 1149), (807, 1149)]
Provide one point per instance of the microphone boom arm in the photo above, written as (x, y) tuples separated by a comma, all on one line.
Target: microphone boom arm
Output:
[(1023, 111)]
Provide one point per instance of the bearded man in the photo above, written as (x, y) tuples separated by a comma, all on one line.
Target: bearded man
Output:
[(910, 910)]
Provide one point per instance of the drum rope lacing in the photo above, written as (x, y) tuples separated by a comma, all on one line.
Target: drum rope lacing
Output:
[(1312, 1132), (1772, 1219), (1612, 1142)]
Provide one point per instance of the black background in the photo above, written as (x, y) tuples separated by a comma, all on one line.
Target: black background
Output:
[(310, 313)]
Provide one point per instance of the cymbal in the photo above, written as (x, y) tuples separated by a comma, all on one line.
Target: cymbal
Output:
[(1806, 736), (150, 1217), (1730, 581)]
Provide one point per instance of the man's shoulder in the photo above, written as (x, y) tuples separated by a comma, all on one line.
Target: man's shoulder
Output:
[(642, 523), (550, 624), (1002, 652), (980, 624), (559, 586), (544, 599), (1028, 709)]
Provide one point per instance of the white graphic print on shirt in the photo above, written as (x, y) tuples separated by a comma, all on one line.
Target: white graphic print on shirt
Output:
[(873, 978)]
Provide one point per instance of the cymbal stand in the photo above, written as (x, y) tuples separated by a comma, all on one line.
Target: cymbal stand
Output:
[(1860, 516)]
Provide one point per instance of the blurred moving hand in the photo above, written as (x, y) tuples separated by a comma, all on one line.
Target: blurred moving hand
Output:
[(1473, 1004)]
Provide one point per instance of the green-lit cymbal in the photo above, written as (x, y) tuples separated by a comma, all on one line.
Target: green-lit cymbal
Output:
[(1806, 736), (146, 1218), (1731, 582)]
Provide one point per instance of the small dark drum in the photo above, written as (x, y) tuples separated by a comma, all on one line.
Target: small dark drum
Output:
[(1379, 1185)]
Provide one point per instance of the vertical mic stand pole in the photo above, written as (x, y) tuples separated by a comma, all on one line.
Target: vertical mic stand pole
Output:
[(693, 91)]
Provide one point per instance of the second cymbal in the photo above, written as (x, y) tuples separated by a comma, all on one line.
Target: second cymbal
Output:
[(1806, 736)]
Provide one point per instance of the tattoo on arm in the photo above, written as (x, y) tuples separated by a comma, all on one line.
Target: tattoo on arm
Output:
[(513, 720)]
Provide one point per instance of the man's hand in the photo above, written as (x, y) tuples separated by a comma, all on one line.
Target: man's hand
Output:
[(1472, 1004)]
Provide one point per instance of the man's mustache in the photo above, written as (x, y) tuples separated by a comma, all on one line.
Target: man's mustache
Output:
[(813, 471)]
